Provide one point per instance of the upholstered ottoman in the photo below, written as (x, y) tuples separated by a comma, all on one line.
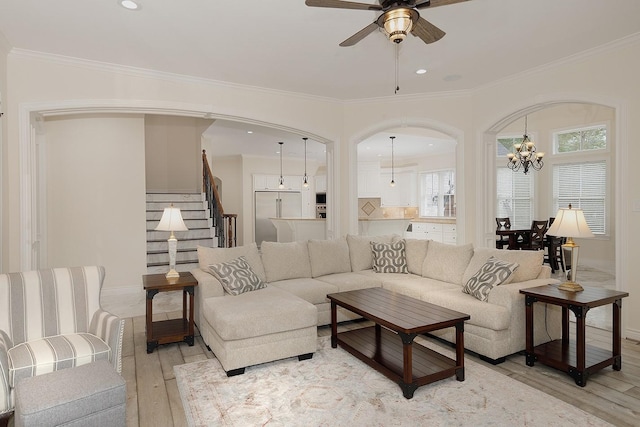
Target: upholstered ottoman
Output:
[(259, 326), (89, 395)]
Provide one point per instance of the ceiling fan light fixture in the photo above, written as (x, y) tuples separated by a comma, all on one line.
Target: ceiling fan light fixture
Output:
[(397, 23)]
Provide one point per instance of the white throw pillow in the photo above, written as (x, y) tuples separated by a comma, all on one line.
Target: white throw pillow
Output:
[(284, 261), (329, 257), (236, 276), (493, 273), (389, 257), (446, 263)]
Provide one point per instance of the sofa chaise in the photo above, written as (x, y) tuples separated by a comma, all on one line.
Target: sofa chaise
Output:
[(273, 321)]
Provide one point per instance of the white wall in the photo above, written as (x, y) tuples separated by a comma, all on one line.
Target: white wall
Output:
[(173, 153), (95, 206)]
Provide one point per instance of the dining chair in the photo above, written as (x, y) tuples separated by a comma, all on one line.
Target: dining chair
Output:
[(502, 241), (534, 239), (554, 256)]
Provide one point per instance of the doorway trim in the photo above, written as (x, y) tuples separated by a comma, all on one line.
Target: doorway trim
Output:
[(30, 116), (419, 122)]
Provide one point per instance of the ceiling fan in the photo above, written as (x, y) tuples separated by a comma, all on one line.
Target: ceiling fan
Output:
[(398, 18)]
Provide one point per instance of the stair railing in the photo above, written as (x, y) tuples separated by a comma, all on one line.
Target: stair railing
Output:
[(225, 225)]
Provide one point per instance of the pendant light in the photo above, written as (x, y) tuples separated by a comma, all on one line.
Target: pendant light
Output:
[(281, 184), (305, 179), (393, 180)]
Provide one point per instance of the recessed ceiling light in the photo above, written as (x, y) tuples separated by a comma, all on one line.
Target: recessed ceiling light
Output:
[(249, 131), (421, 71), (129, 4)]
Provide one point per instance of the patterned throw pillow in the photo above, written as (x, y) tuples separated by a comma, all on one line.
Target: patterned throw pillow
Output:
[(493, 273), (389, 257), (236, 276)]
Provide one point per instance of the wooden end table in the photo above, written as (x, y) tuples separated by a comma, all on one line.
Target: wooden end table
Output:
[(577, 359), (388, 346), (174, 330)]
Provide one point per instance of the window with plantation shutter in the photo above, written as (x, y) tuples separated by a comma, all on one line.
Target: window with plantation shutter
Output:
[(580, 171), (583, 185), (514, 191)]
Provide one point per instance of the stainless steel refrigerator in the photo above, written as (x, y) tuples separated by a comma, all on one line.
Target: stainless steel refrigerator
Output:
[(274, 204)]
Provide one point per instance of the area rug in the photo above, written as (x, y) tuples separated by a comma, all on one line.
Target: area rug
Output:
[(336, 389)]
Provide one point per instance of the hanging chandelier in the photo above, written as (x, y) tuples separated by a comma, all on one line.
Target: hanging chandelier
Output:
[(305, 179), (393, 179), (525, 155), (281, 183)]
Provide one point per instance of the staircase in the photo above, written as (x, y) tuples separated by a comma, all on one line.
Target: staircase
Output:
[(195, 214)]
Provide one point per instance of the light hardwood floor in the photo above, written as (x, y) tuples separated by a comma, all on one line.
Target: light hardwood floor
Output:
[(153, 398)]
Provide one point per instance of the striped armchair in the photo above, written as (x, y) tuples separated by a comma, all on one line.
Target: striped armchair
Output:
[(51, 320)]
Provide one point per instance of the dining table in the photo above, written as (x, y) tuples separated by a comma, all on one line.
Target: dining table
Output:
[(513, 235)]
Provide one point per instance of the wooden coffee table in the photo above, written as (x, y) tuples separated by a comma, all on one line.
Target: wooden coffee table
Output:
[(388, 345)]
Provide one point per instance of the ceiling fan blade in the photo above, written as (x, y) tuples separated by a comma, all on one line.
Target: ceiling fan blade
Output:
[(428, 32), (360, 35), (435, 3), (342, 4)]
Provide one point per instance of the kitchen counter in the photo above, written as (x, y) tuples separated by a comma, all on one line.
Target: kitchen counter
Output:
[(436, 220), (295, 229), (382, 226)]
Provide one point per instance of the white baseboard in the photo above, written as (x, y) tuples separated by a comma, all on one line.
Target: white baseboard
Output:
[(122, 291), (632, 334)]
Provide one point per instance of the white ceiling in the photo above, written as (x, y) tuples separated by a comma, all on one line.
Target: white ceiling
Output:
[(285, 45)]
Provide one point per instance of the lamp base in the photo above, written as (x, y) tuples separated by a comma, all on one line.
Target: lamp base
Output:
[(570, 287), (172, 274)]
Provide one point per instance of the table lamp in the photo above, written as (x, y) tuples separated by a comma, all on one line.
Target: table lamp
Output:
[(570, 223), (172, 221)]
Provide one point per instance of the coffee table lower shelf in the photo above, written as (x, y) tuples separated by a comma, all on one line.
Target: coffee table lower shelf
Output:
[(386, 356)]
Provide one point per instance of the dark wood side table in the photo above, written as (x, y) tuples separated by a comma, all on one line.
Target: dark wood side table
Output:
[(174, 330), (577, 359)]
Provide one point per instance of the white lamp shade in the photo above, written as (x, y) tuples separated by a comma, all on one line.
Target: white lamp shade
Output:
[(570, 223), (171, 220)]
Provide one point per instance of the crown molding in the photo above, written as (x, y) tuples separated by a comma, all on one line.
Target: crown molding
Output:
[(585, 54), (160, 75)]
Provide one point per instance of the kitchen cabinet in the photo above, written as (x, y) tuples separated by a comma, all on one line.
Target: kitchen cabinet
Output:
[(404, 193), (321, 183), (272, 182), (368, 179), (444, 233)]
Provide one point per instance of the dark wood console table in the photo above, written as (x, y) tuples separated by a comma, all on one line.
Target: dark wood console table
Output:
[(577, 358), (173, 330)]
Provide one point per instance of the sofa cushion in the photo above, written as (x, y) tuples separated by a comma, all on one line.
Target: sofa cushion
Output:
[(360, 250), (530, 262), (329, 257), (54, 353), (416, 252), (389, 257), (285, 260), (447, 262), (236, 276), (352, 281), (494, 272), (484, 314), (253, 314), (209, 256), (311, 290)]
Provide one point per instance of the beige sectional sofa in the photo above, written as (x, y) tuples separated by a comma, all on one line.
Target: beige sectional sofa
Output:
[(276, 321)]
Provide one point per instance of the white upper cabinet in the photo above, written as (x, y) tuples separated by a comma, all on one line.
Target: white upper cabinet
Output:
[(321, 183), (403, 193), (368, 179), (272, 182)]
